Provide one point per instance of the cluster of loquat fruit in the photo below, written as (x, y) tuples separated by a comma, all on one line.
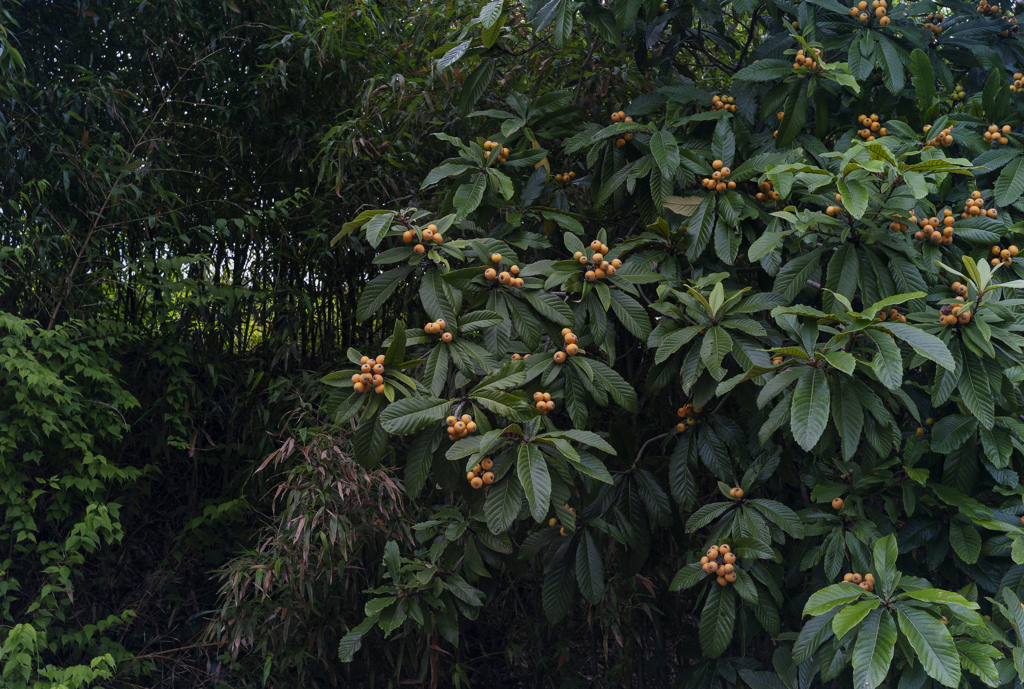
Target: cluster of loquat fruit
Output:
[(1018, 83), (736, 492), (544, 403), (897, 226), (872, 127), (932, 23), (953, 314), (620, 116), (776, 360), (975, 207), (727, 103), (429, 234), (460, 428), (504, 277), (718, 181), (597, 266), (436, 327), (502, 152), (944, 138), (1004, 256), (802, 61), (893, 315), (372, 375), (996, 135), (565, 177), (688, 415), (866, 582), (988, 10), (721, 561), (554, 521), (518, 357), (572, 348), (767, 192), (481, 474), (938, 231), (1012, 28), (878, 11), (833, 210), (929, 421)]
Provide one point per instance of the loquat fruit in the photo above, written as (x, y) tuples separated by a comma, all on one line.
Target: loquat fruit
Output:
[(446, 337), (559, 357), (837, 504), (477, 482)]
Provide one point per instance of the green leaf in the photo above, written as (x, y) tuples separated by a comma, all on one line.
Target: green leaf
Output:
[(966, 540), (413, 413), (813, 634), (925, 344), (976, 390), (873, 652), (718, 620), (631, 314), (585, 437), (810, 407), (377, 228), (490, 13), (850, 616), (504, 500), (832, 596), (783, 517), (951, 432), (885, 554), (468, 196), (764, 70), (892, 67), (666, 152), (378, 290), (796, 114), (932, 643), (589, 569), (843, 361), (687, 577), (532, 469), (1010, 185), (557, 589), (888, 363), (351, 642), (924, 79), (855, 196)]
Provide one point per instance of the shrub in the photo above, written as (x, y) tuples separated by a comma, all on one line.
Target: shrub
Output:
[(750, 335)]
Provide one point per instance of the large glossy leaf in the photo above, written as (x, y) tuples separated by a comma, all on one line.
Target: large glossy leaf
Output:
[(718, 620), (932, 643), (810, 407), (873, 652), (532, 470)]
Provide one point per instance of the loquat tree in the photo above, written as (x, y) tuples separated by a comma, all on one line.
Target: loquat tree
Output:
[(740, 341)]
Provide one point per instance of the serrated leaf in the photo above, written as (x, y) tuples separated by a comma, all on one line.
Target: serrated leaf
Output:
[(873, 652), (932, 643), (810, 407), (717, 621)]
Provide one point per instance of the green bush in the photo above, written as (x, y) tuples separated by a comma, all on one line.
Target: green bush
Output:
[(784, 320), (62, 410)]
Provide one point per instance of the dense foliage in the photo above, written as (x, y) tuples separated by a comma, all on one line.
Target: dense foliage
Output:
[(667, 344), (737, 342)]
